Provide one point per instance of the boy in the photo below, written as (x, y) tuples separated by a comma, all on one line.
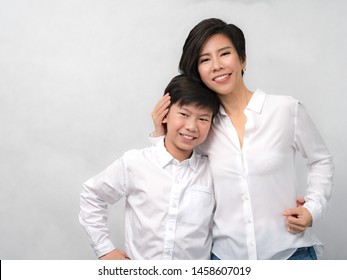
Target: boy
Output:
[(168, 187)]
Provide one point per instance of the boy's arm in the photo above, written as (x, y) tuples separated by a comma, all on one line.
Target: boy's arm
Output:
[(115, 255), (105, 188)]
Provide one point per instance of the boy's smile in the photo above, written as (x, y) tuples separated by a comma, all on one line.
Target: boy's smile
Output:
[(188, 137)]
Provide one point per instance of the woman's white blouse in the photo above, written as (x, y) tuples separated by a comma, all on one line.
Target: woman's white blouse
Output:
[(255, 184)]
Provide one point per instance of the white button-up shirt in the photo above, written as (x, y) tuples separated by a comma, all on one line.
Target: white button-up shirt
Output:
[(255, 184), (168, 209)]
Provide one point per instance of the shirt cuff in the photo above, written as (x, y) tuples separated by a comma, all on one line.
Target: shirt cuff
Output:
[(155, 139), (314, 210), (103, 248)]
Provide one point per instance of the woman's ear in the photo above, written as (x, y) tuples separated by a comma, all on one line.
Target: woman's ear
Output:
[(244, 66)]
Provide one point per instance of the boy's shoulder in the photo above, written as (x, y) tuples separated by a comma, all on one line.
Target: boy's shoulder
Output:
[(200, 155), (138, 153), (201, 158)]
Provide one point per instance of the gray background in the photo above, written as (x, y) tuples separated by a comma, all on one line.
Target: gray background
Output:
[(79, 78)]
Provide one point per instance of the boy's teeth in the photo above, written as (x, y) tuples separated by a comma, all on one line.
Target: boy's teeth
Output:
[(187, 137)]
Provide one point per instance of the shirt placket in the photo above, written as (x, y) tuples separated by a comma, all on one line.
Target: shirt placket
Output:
[(246, 198), (248, 213), (170, 226)]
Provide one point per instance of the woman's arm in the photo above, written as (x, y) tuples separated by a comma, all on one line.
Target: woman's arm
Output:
[(159, 112), (309, 143)]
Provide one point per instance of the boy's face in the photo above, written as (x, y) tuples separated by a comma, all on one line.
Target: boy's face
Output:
[(187, 127)]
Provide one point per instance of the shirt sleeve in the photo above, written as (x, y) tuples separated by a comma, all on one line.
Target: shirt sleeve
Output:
[(311, 146), (155, 139), (107, 187)]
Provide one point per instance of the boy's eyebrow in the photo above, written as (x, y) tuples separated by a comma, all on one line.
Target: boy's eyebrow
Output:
[(219, 50), (201, 115)]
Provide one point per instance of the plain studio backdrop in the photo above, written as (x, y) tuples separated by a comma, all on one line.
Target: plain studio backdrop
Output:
[(79, 79)]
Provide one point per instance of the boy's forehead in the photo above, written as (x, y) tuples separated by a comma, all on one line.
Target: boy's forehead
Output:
[(195, 107)]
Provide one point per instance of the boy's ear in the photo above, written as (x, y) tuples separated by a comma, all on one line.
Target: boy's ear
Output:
[(164, 119)]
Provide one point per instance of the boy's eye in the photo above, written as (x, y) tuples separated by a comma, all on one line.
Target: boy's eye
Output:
[(204, 119), (183, 114), (225, 53)]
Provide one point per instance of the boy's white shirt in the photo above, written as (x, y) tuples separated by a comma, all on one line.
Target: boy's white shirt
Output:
[(168, 210)]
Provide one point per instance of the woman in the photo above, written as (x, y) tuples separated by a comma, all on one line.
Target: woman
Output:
[(252, 148)]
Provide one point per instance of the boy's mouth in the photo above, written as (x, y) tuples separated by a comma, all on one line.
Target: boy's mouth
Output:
[(188, 137)]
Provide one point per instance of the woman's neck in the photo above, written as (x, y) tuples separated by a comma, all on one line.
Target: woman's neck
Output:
[(234, 105), (236, 101)]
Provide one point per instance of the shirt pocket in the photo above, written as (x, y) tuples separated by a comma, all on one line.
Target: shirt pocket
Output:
[(201, 188), (198, 205)]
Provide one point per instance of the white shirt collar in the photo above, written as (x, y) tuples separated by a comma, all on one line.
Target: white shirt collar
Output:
[(257, 101), (255, 104), (165, 157)]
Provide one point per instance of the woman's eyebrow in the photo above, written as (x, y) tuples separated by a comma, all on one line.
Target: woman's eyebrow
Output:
[(219, 50)]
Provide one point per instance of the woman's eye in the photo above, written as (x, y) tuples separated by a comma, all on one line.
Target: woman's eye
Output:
[(225, 53), (204, 60)]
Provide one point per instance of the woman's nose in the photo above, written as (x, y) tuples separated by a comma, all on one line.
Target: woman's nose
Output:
[(217, 65)]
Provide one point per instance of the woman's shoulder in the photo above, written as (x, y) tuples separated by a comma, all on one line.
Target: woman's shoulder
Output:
[(278, 99)]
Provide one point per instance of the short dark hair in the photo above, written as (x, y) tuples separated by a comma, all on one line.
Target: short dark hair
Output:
[(184, 91), (188, 64)]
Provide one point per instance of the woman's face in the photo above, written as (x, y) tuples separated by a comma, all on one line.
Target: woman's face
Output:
[(219, 65)]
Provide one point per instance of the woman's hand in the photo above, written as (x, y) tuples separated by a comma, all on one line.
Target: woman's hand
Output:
[(299, 218), (158, 114), (115, 255)]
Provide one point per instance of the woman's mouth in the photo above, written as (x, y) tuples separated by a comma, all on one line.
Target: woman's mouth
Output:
[(221, 78)]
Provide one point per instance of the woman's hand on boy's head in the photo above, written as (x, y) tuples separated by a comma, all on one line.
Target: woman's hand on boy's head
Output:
[(158, 114), (115, 255)]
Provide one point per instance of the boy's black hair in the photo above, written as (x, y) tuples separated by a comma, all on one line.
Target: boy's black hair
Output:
[(184, 91)]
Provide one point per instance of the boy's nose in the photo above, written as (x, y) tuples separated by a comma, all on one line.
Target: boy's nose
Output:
[(191, 125)]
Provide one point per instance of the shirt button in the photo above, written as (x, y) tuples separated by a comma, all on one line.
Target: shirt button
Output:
[(174, 205)]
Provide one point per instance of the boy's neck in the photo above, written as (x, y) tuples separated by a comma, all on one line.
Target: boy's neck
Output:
[(177, 153)]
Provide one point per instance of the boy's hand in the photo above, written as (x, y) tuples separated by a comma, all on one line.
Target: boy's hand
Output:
[(300, 201), (159, 112), (115, 255), (299, 218)]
